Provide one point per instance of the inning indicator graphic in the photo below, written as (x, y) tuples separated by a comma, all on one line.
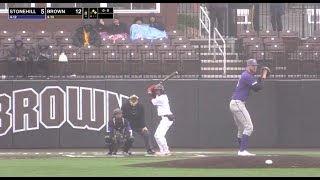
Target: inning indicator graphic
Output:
[(60, 13)]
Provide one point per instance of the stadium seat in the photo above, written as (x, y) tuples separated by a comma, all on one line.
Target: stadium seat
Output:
[(4, 69), (180, 41), (310, 63), (65, 42), (170, 62), (7, 42), (125, 48), (43, 34), (272, 40), (189, 63), (257, 55), (108, 48), (105, 42), (256, 47), (160, 41), (316, 34), (70, 49), (184, 47), (246, 34), (151, 63), (164, 48), (141, 41), (5, 35), (54, 67), (316, 48), (268, 34), (25, 34), (314, 41), (75, 61), (95, 64), (289, 34), (113, 64), (275, 48), (133, 64), (146, 48), (28, 42), (173, 34), (290, 39), (59, 35), (249, 41), (278, 54), (122, 41), (306, 48), (294, 63), (86, 50)]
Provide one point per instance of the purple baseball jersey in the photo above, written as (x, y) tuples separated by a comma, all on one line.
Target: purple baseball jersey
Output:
[(244, 85)]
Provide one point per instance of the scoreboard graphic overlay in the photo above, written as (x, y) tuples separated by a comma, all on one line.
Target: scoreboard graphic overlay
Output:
[(60, 13)]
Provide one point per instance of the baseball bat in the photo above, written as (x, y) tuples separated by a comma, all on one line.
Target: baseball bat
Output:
[(169, 76)]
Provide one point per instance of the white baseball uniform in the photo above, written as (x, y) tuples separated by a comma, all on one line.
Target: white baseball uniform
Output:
[(163, 108)]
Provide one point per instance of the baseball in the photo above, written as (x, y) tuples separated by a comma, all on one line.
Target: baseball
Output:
[(268, 161)]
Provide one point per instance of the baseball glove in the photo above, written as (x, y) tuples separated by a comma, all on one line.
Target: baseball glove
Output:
[(263, 69)]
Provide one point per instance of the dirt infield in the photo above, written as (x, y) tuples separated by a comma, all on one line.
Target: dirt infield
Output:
[(227, 161), (88, 153)]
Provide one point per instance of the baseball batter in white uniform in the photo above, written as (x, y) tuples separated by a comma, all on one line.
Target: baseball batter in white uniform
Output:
[(160, 99)]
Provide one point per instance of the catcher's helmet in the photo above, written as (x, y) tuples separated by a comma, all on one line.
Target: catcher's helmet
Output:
[(117, 111), (159, 87)]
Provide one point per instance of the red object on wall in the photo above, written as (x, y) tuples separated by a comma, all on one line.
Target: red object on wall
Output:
[(195, 7)]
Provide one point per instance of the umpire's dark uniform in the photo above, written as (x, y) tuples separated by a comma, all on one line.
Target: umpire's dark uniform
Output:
[(135, 115)]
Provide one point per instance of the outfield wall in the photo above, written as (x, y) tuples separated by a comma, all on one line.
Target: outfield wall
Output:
[(49, 114)]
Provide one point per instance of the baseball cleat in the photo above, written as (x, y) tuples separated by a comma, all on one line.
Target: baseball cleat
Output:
[(127, 153), (245, 153), (150, 152), (165, 153)]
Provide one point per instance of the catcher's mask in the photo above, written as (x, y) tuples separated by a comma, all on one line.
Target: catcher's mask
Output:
[(133, 100)]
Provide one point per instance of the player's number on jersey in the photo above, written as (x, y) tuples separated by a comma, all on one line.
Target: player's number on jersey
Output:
[(78, 11), (42, 11), (238, 81)]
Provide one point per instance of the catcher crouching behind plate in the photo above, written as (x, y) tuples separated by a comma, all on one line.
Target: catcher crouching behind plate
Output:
[(119, 134)]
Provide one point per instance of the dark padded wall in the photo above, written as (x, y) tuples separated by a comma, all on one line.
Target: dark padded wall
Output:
[(284, 114)]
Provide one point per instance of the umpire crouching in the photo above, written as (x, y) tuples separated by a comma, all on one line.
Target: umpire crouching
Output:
[(133, 111)]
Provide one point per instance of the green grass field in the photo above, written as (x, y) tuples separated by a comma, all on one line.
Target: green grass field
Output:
[(116, 167)]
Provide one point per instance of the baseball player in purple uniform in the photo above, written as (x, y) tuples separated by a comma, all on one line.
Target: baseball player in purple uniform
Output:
[(240, 95)]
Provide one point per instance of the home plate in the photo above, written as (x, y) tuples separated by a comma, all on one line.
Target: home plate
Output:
[(150, 155), (201, 155), (114, 155)]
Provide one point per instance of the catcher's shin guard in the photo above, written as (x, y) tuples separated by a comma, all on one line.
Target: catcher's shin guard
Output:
[(128, 144)]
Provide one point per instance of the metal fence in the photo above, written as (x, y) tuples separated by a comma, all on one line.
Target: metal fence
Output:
[(301, 17), (191, 63)]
